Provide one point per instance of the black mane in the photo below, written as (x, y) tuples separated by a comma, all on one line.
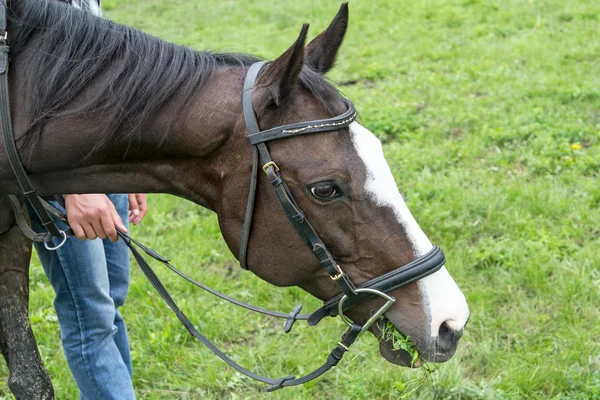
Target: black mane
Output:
[(141, 72)]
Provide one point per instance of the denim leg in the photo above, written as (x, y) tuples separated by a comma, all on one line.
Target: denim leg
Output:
[(117, 262), (87, 315)]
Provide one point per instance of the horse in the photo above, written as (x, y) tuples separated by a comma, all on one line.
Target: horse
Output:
[(98, 107)]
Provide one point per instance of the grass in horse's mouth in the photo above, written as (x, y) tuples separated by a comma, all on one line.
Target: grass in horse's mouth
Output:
[(399, 341)]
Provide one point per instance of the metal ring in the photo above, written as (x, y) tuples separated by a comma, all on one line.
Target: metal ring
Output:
[(64, 240), (374, 317)]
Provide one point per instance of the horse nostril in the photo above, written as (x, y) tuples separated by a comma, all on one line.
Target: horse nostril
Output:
[(449, 335)]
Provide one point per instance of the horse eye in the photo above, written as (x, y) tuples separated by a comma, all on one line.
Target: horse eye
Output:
[(324, 191)]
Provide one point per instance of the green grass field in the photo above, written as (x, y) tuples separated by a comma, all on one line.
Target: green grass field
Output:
[(490, 114)]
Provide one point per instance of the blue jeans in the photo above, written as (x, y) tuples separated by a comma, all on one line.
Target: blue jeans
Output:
[(91, 280)]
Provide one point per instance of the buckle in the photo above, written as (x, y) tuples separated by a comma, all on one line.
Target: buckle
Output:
[(270, 164), (278, 384), (292, 318), (339, 275)]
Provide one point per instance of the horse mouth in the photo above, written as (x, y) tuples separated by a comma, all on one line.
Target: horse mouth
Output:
[(396, 347)]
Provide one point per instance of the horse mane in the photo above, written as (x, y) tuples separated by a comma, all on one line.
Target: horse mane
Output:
[(141, 72)]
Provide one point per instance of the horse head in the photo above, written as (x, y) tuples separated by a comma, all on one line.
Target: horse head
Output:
[(341, 181)]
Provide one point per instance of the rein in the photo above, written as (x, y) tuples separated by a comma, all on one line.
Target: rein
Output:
[(351, 294)]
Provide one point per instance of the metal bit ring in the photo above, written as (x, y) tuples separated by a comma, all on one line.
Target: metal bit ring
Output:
[(389, 301)]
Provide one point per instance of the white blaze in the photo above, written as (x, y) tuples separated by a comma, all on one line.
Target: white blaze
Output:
[(443, 300)]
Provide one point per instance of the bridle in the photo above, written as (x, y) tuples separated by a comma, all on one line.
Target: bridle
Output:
[(350, 295)]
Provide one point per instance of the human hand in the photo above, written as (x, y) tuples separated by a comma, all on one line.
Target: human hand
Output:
[(138, 207), (93, 216)]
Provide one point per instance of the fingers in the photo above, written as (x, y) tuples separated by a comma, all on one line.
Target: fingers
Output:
[(143, 204), (97, 227), (78, 231), (138, 207), (93, 216), (108, 227), (134, 208), (117, 222), (90, 232)]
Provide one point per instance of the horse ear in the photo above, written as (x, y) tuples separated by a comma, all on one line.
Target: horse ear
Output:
[(322, 50), (281, 76)]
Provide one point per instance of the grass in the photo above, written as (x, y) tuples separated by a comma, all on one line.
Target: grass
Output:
[(490, 114), (399, 340)]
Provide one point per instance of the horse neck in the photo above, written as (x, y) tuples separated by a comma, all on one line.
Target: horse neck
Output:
[(187, 162)]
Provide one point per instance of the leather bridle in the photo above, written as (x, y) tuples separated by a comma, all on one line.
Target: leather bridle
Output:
[(350, 295)]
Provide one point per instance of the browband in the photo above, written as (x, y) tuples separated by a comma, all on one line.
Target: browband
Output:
[(303, 128)]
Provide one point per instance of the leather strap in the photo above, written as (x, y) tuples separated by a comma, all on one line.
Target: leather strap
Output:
[(301, 224), (39, 237), (291, 209), (419, 268), (334, 357), (251, 124), (249, 211), (9, 141), (303, 128), (4, 42)]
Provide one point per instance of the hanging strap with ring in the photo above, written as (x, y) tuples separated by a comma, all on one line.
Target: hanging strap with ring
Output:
[(12, 153)]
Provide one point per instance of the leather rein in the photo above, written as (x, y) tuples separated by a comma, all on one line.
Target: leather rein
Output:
[(350, 295)]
